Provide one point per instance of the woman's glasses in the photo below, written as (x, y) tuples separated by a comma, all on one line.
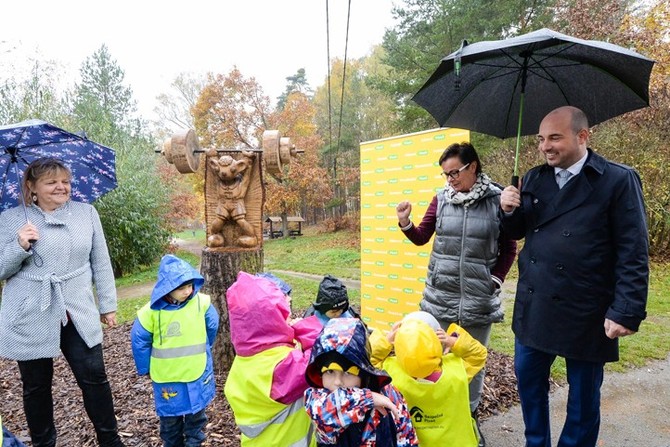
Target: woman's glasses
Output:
[(455, 173)]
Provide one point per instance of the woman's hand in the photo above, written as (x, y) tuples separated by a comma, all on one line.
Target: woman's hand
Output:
[(403, 210), (109, 319), (27, 233)]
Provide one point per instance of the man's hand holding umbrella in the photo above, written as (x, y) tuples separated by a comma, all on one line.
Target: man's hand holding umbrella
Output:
[(510, 199)]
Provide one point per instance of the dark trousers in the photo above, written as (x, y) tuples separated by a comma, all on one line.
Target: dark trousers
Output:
[(183, 431), (582, 421), (89, 371)]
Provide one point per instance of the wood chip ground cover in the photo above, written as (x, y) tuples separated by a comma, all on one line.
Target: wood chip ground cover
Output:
[(138, 423)]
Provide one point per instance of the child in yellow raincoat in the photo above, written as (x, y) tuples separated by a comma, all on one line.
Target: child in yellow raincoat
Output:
[(432, 369)]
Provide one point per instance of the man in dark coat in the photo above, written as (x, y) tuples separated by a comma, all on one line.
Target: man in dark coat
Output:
[(583, 274)]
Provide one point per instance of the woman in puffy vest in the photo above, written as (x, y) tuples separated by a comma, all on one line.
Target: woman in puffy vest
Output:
[(470, 256)]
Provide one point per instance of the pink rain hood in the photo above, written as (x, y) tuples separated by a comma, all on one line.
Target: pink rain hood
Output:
[(258, 311)]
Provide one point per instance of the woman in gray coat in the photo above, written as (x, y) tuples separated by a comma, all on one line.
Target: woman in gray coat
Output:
[(50, 264), (470, 256)]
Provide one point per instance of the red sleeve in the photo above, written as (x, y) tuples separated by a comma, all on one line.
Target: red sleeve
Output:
[(421, 235), (506, 255)]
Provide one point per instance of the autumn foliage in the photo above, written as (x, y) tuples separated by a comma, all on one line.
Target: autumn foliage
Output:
[(640, 138), (185, 205), (305, 186)]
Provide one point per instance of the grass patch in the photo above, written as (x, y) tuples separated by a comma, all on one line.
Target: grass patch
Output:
[(336, 253), (304, 293), (127, 308), (148, 273), (192, 235), (650, 343)]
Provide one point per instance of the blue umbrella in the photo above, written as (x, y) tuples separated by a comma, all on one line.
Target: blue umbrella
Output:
[(92, 164)]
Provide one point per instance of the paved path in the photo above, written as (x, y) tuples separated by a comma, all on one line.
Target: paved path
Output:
[(350, 283), (634, 411)]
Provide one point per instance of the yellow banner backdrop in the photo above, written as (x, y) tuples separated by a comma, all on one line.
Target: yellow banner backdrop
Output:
[(393, 270)]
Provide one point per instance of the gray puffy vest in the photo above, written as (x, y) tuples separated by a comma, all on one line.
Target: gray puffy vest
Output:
[(459, 287)]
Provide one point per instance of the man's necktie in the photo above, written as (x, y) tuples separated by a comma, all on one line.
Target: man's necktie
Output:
[(562, 177)]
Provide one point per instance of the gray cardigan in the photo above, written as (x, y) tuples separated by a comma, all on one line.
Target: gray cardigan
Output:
[(53, 281)]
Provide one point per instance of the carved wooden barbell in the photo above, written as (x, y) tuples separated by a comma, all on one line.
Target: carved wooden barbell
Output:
[(183, 150)]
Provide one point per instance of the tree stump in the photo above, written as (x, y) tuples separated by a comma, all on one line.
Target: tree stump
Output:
[(220, 269)]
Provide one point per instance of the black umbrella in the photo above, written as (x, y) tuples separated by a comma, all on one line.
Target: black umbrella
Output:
[(505, 87)]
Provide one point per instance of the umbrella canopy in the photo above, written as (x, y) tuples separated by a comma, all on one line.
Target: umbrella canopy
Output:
[(506, 87), (550, 69), (92, 164)]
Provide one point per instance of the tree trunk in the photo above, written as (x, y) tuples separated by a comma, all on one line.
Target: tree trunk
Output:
[(284, 223), (220, 269)]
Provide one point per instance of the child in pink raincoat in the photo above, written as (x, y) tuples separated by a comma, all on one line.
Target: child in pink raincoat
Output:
[(266, 382)]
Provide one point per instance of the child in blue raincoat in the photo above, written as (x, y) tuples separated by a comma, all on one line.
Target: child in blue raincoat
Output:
[(172, 340), (7, 439)]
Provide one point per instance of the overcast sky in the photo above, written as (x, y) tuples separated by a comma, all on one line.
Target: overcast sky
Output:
[(153, 41)]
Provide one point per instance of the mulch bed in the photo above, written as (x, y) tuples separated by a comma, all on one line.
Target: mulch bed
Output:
[(138, 423)]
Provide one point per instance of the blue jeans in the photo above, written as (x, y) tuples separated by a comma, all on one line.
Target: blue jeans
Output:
[(183, 431), (88, 369), (582, 423)]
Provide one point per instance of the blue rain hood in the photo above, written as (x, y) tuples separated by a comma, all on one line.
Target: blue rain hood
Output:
[(172, 273)]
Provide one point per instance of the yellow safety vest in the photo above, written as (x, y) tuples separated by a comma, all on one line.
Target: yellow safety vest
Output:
[(263, 421), (440, 411), (179, 348)]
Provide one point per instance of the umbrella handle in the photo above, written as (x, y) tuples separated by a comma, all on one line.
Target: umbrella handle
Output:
[(515, 177)]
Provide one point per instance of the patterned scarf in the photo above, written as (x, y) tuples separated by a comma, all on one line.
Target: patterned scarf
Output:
[(478, 190)]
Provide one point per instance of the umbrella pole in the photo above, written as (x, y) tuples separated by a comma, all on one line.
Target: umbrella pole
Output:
[(515, 176), (15, 161), (21, 199)]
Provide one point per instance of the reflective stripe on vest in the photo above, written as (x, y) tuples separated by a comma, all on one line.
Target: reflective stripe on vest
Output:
[(179, 348), (171, 353), (253, 431), (262, 420)]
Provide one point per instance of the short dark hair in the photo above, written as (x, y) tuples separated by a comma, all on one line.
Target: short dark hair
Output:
[(579, 120), (465, 152), (47, 166)]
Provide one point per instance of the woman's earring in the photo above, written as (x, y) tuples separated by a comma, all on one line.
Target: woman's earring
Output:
[(34, 197)]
